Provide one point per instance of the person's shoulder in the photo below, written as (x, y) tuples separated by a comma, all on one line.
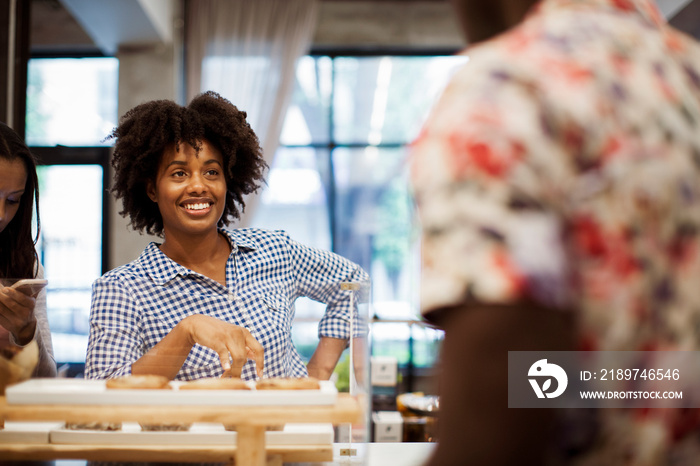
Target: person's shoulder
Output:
[(263, 241), (119, 274), (125, 273), (259, 236)]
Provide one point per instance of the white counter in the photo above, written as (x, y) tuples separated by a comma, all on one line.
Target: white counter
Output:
[(369, 454), (381, 454)]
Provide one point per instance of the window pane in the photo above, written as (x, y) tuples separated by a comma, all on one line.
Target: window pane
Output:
[(70, 247), (385, 100), (374, 225), (391, 339), (71, 101), (426, 345), (294, 199), (407, 342), (305, 338), (308, 115)]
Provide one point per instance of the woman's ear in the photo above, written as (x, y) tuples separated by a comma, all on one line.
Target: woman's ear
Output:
[(151, 191)]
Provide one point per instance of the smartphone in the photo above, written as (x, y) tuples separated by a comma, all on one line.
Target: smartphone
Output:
[(30, 286)]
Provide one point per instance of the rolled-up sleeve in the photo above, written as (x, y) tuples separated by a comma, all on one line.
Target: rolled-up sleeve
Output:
[(319, 276)]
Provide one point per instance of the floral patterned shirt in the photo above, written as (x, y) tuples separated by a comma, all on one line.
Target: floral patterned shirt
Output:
[(562, 164)]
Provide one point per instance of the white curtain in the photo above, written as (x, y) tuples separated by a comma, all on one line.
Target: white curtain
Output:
[(246, 50)]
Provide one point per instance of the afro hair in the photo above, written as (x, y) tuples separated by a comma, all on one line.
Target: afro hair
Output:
[(144, 133)]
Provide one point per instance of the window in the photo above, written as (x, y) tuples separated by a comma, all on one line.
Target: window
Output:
[(71, 101), (71, 108), (339, 181)]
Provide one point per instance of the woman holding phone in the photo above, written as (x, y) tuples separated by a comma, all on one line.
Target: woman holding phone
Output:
[(22, 309)]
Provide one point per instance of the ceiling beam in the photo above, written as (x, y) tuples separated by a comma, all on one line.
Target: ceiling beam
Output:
[(112, 24)]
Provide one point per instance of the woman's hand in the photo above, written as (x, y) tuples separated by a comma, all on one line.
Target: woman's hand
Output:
[(17, 314), (234, 344)]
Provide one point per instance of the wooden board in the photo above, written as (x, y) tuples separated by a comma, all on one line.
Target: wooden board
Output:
[(198, 434), (159, 453)]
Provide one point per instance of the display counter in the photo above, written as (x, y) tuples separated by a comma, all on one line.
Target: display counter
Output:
[(250, 421)]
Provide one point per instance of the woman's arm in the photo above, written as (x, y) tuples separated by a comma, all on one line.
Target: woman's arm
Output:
[(116, 346), (25, 318), (46, 367), (325, 357), (47, 362), (234, 345), (319, 276)]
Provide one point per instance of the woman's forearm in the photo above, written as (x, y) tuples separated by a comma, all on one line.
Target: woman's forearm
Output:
[(326, 357), (166, 358), (46, 366)]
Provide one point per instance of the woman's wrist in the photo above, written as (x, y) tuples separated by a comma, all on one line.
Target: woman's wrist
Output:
[(184, 328), (319, 372), (25, 335)]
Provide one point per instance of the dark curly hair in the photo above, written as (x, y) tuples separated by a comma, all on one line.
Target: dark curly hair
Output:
[(18, 257), (145, 131)]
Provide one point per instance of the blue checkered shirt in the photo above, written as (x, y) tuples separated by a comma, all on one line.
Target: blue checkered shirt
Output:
[(134, 306)]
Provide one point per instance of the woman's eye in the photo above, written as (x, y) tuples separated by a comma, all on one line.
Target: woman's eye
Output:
[(212, 172), (178, 174)]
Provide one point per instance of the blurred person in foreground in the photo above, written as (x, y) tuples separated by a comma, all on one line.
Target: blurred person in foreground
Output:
[(558, 186), (22, 316), (208, 301)]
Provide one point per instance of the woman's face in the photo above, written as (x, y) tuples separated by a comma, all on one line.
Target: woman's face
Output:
[(13, 179), (190, 189)]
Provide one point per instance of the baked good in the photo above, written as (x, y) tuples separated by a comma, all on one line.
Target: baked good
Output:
[(141, 382), (175, 427), (275, 428), (288, 383), (216, 383), (146, 382), (103, 426)]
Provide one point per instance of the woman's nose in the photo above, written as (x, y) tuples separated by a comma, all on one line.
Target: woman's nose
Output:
[(197, 183)]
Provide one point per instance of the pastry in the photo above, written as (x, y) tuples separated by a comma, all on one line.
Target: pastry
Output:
[(142, 382), (288, 383), (215, 383)]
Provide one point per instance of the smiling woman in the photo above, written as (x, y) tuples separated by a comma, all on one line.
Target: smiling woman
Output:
[(207, 301)]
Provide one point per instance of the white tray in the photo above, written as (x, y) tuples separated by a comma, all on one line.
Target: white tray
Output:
[(94, 392), (33, 433), (199, 434)]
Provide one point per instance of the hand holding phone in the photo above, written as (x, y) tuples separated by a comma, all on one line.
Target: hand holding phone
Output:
[(30, 286)]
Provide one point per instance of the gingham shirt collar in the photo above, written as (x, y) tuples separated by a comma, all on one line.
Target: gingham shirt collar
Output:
[(161, 269)]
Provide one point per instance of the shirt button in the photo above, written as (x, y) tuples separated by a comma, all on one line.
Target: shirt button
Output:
[(231, 297)]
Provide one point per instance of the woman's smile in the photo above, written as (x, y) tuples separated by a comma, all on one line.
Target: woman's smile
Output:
[(197, 207)]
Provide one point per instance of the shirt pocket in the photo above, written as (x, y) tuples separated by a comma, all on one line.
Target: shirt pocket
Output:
[(276, 309)]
